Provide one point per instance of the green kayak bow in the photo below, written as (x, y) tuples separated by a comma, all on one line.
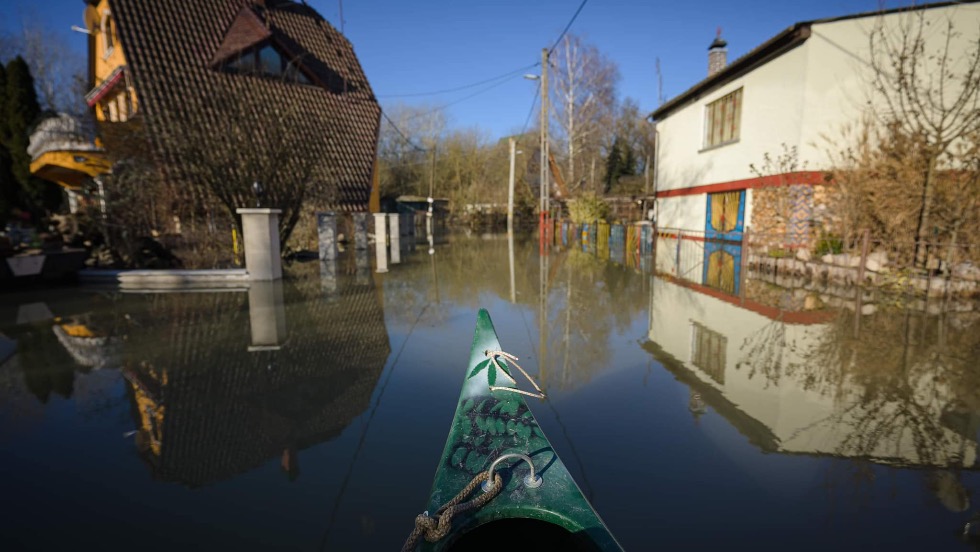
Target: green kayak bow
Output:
[(527, 499)]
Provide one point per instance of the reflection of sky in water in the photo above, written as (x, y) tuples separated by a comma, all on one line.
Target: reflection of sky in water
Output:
[(330, 440)]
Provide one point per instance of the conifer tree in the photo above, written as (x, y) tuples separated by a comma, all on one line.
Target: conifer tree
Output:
[(613, 163), (19, 114), (8, 185)]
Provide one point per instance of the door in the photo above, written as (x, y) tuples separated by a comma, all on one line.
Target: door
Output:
[(726, 216)]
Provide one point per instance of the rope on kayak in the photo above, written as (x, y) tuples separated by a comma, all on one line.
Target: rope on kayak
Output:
[(492, 355), (532, 480), (434, 528)]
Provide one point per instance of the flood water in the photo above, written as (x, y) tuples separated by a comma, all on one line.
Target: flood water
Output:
[(310, 415)]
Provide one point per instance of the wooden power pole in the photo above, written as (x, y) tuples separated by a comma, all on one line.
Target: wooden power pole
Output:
[(545, 188)]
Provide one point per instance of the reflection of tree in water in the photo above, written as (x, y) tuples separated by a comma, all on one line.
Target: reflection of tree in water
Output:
[(587, 299), (460, 274), (903, 382), (48, 368), (766, 353)]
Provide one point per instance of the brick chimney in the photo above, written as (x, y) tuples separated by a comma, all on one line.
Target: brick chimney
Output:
[(717, 54)]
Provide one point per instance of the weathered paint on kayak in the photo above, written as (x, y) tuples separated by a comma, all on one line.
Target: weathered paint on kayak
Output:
[(489, 424)]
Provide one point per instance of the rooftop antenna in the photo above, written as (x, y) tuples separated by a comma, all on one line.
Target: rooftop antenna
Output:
[(340, 6)]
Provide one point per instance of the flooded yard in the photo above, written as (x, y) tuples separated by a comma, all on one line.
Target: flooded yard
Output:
[(697, 408)]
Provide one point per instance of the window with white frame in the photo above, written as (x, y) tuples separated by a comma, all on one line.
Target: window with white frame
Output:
[(108, 34), (723, 120)]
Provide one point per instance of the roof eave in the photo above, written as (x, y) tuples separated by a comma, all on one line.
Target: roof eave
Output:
[(772, 48)]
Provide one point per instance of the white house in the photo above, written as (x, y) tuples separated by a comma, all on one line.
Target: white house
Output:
[(799, 88)]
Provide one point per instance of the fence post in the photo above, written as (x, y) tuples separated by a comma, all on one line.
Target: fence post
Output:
[(744, 262), (677, 256), (864, 256)]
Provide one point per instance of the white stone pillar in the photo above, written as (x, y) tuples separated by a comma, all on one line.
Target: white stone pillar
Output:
[(326, 224), (381, 240), (363, 267), (395, 232), (328, 276), (266, 315), (360, 231), (260, 232)]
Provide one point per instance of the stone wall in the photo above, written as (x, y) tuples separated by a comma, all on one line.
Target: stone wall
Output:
[(794, 216)]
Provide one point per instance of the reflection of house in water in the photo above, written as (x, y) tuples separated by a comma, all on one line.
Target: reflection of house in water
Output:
[(207, 409), (714, 261), (802, 381)]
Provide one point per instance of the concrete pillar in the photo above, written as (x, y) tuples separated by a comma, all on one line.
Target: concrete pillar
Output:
[(328, 276), (363, 267), (361, 231), (381, 240), (396, 244), (266, 315), (326, 224), (260, 232)]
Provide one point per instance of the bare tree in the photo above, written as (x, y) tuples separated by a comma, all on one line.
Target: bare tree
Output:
[(58, 71), (584, 101), (927, 81), (406, 148), (222, 157)]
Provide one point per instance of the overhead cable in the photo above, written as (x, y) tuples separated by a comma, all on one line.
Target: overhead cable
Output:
[(463, 87)]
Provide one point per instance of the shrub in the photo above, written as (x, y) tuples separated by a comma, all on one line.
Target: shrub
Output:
[(587, 209)]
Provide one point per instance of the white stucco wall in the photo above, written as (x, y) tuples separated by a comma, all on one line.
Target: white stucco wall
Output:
[(839, 73), (802, 98), (771, 99)]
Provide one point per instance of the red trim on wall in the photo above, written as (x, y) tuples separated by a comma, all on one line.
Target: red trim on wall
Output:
[(674, 236), (809, 178), (772, 313)]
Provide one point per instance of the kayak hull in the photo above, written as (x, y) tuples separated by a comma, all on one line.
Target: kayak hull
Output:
[(489, 424)]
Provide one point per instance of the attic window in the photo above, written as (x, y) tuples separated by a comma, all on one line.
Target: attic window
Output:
[(266, 61), (108, 34)]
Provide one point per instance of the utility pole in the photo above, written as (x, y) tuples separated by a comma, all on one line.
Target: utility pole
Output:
[(545, 187), (428, 214), (510, 188), (432, 175)]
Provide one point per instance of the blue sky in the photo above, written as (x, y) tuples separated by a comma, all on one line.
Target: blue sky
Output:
[(427, 45)]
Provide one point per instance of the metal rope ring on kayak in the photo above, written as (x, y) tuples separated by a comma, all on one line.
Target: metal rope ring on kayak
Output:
[(532, 480), (492, 355), (438, 526)]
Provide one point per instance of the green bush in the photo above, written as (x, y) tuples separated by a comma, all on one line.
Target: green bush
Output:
[(829, 244), (588, 209)]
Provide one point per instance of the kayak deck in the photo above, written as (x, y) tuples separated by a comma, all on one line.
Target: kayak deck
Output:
[(488, 424)]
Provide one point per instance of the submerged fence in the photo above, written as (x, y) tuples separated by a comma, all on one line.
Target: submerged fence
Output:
[(723, 262)]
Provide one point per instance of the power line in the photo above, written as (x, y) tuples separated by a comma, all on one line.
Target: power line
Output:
[(400, 133), (562, 35), (464, 98), (463, 87), (534, 102)]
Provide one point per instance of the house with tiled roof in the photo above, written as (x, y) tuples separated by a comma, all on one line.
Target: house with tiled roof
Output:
[(789, 99), (183, 76)]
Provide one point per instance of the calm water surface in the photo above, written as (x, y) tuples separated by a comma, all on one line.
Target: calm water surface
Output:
[(310, 415)]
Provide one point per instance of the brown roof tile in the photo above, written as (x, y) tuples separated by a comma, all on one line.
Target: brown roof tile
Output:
[(170, 48)]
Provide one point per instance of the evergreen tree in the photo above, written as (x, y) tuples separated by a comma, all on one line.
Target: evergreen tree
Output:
[(8, 185), (628, 167), (20, 113), (614, 163)]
